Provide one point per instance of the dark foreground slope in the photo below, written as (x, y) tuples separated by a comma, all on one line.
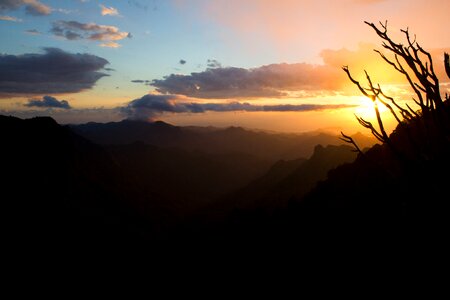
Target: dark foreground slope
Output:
[(59, 189)]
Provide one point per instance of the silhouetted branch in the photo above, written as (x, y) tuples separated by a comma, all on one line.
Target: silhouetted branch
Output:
[(447, 64), (349, 139), (422, 69), (368, 125)]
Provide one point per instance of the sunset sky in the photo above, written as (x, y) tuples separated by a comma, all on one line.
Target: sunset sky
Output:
[(265, 64)]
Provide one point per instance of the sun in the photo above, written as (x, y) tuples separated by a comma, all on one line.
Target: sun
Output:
[(366, 108)]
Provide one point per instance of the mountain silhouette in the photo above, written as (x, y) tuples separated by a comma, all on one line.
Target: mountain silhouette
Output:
[(288, 180), (265, 145), (60, 189)]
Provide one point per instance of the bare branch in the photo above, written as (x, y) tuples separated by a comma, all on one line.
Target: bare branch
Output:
[(447, 64), (349, 139), (369, 125)]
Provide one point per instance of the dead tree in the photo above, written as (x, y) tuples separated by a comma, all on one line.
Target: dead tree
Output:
[(416, 64)]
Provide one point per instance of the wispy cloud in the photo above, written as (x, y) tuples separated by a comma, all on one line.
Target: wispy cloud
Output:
[(109, 11), (73, 30), (146, 82), (9, 18), (150, 106), (33, 32), (110, 45)]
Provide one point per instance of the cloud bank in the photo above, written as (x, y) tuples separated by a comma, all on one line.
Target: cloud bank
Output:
[(150, 106), (267, 81), (55, 71), (48, 102), (32, 7), (74, 30), (289, 80)]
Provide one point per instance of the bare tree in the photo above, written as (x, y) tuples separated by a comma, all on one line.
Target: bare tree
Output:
[(416, 65)]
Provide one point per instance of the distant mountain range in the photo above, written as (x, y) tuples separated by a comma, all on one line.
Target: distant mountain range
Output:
[(135, 182), (268, 146), (291, 180)]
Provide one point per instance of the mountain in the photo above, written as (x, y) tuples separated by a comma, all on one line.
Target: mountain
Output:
[(265, 145), (60, 189), (287, 180), (56, 181)]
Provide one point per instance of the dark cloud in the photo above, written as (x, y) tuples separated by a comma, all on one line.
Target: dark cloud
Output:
[(52, 72), (212, 63), (32, 7), (149, 106), (49, 102), (74, 30), (267, 81), (182, 62)]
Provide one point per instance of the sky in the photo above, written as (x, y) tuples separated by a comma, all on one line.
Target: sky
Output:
[(273, 65)]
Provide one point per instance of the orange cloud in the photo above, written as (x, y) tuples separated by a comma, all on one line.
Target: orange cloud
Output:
[(297, 80), (111, 11)]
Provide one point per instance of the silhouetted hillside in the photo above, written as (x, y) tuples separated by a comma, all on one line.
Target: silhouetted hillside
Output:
[(60, 189), (285, 181), (268, 146), (404, 184)]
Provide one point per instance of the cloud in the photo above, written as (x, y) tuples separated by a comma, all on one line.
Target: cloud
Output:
[(32, 7), (109, 11), (33, 32), (55, 71), (182, 62), (110, 45), (73, 30), (146, 82), (212, 63), (9, 18), (149, 106), (138, 4), (273, 80), (290, 80), (64, 11), (49, 102)]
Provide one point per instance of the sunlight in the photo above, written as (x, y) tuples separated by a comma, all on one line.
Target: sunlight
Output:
[(366, 108)]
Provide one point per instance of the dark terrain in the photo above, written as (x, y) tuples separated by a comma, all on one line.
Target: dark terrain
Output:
[(60, 188)]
